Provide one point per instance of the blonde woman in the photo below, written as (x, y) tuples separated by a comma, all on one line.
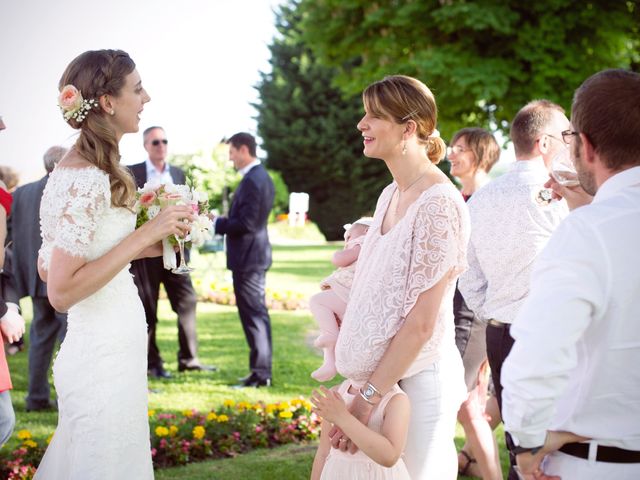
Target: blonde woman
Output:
[(398, 326)]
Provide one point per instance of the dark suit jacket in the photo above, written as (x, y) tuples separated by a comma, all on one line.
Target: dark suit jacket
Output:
[(248, 247), (24, 230)]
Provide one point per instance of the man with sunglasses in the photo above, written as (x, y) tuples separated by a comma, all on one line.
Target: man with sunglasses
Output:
[(510, 224), (571, 382), (149, 273)]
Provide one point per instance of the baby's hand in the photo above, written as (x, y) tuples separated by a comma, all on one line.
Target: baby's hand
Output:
[(329, 406)]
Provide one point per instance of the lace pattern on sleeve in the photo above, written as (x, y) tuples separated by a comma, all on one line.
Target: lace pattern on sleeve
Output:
[(72, 203), (436, 248)]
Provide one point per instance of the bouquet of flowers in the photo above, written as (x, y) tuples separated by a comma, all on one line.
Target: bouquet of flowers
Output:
[(151, 199)]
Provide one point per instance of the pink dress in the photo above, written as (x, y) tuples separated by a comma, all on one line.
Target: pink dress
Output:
[(341, 280), (358, 466)]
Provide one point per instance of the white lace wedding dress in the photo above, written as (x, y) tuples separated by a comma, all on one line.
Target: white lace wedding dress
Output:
[(100, 372)]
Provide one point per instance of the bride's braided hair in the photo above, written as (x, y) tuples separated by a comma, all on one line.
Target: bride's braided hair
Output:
[(96, 73)]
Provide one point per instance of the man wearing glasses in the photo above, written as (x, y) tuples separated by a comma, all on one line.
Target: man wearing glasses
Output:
[(571, 382), (510, 224), (149, 273)]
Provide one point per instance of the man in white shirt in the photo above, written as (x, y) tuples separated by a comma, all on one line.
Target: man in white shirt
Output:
[(149, 273), (510, 224), (573, 368)]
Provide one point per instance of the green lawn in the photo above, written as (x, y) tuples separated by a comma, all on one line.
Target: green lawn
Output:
[(222, 343)]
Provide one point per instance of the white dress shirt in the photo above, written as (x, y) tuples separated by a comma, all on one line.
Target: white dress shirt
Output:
[(574, 365), (156, 178), (243, 171), (509, 227)]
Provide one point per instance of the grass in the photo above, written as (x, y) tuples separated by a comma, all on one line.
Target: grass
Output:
[(222, 343)]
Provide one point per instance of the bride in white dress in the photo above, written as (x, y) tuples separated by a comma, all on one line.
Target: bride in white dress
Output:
[(89, 239)]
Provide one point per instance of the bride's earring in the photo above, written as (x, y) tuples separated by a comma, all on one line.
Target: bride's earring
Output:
[(404, 147), (112, 113)]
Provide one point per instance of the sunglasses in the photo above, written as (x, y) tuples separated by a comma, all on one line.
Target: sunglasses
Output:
[(155, 143)]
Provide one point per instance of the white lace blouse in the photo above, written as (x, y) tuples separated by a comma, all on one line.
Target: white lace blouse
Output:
[(393, 269)]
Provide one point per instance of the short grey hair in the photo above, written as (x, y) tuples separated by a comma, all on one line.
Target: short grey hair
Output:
[(52, 156)]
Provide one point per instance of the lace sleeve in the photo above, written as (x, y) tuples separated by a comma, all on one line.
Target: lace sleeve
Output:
[(437, 246), (71, 210)]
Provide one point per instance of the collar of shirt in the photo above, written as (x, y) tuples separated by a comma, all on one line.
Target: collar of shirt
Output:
[(617, 182), (533, 165), (155, 177), (245, 170)]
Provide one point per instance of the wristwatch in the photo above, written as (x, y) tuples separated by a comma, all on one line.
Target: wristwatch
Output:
[(368, 392), (533, 450)]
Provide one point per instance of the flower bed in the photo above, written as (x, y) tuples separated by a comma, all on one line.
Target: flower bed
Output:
[(222, 293), (178, 439)]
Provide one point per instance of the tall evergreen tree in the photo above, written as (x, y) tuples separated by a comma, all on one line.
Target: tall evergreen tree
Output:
[(308, 130)]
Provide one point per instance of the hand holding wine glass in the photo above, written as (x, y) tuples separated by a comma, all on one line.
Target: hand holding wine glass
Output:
[(563, 170)]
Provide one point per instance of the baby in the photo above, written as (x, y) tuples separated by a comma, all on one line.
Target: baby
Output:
[(329, 305)]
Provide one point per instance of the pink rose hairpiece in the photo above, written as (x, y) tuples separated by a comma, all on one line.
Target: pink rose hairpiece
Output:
[(73, 105)]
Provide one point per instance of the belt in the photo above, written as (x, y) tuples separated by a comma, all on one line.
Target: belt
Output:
[(495, 323), (604, 454)]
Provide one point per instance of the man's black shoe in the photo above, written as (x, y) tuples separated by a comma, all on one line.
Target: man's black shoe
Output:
[(197, 367), (158, 372), (254, 381), (42, 407)]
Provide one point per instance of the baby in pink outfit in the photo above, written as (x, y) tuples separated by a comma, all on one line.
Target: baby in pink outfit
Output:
[(329, 305)]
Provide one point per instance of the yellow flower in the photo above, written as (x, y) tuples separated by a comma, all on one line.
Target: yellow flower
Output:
[(211, 416), (24, 434), (152, 413), (173, 430), (307, 405), (188, 413), (243, 406), (162, 431), (198, 432), (284, 406), (49, 438), (286, 414), (222, 418), (271, 408), (229, 403), (30, 444), (296, 402)]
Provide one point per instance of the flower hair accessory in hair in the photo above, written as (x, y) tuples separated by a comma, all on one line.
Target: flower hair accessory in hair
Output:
[(73, 105), (435, 133)]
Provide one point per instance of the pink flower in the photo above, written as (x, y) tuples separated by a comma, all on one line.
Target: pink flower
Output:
[(154, 452), (70, 99), (147, 199)]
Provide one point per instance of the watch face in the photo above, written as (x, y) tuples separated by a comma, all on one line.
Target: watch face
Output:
[(368, 392)]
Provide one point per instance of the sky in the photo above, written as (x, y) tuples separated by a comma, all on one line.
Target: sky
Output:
[(199, 61)]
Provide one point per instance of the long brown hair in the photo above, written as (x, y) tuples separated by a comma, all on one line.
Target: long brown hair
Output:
[(96, 73), (400, 98)]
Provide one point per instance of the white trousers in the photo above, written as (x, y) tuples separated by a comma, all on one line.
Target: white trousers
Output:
[(569, 467), (435, 395)]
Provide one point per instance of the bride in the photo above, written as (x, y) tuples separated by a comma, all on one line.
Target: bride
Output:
[(87, 225)]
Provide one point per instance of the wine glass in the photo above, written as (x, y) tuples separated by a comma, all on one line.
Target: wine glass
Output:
[(563, 170), (183, 268), (176, 199)]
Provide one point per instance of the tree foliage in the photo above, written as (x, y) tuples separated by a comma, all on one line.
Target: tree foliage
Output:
[(483, 59), (309, 133)]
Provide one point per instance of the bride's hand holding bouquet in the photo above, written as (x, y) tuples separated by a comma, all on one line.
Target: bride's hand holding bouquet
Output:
[(183, 214)]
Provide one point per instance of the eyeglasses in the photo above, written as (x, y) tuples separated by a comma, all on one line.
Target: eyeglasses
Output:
[(155, 143), (457, 149), (567, 134)]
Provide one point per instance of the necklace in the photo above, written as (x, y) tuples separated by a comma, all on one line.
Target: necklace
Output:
[(404, 190)]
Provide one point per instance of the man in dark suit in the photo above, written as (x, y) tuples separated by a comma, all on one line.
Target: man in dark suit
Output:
[(150, 272), (47, 324), (249, 253)]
